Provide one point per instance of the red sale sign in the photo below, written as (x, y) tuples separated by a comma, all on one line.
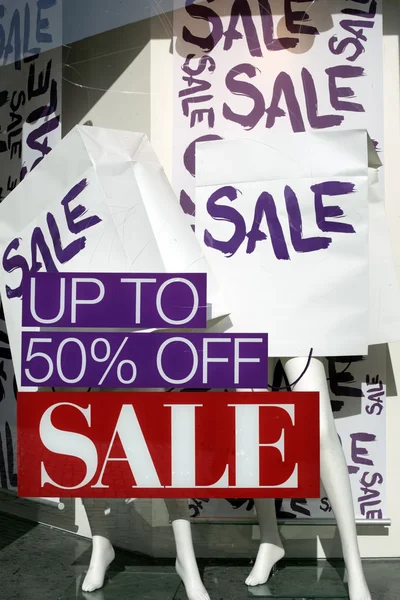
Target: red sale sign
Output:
[(158, 445)]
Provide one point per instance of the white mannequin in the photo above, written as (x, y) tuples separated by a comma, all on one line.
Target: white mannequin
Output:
[(186, 566), (335, 479)]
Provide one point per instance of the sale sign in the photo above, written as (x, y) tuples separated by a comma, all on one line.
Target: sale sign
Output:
[(149, 445), (115, 300), (244, 71), (290, 213), (245, 67), (144, 360), (30, 86)]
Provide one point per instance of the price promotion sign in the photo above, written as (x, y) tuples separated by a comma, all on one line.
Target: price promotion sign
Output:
[(147, 444)]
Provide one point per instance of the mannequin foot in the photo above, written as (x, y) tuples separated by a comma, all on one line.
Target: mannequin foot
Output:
[(358, 589), (190, 576), (268, 555), (96, 595), (102, 556)]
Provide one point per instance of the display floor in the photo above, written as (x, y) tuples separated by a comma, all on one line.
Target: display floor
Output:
[(222, 582), (40, 563)]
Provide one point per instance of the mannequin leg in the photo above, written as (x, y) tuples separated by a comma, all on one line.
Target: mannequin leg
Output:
[(271, 549), (186, 564), (99, 515), (334, 472)]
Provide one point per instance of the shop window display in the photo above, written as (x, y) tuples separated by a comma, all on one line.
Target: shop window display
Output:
[(259, 160)]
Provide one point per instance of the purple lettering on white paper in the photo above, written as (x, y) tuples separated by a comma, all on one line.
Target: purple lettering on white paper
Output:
[(45, 256), (30, 109), (30, 88), (229, 85), (221, 207)]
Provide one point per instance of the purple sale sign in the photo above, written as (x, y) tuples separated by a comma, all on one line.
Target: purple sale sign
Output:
[(115, 300), (144, 360)]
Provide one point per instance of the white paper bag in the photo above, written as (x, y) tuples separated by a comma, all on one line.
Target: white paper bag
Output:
[(99, 202), (283, 221)]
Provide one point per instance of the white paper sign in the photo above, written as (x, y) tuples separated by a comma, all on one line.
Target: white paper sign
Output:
[(284, 224), (244, 68), (30, 87), (99, 202), (30, 125)]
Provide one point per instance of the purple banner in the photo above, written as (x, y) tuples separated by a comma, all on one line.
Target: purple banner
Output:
[(115, 300), (144, 360)]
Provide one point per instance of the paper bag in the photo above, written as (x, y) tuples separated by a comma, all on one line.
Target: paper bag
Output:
[(284, 224), (99, 202)]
